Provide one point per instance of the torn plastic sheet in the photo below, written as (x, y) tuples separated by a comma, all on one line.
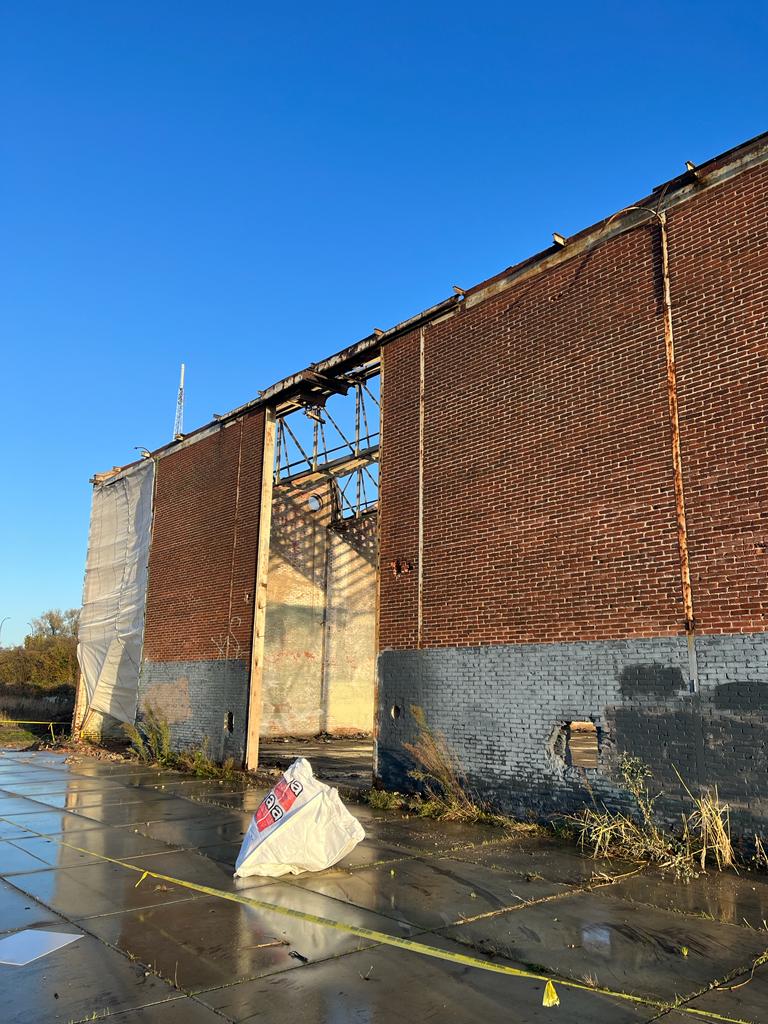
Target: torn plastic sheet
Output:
[(114, 595), (23, 948)]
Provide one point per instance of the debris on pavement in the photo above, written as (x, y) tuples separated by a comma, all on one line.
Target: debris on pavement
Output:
[(300, 825)]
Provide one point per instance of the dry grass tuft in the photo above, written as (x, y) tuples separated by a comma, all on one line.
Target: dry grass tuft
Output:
[(445, 795), (705, 835)]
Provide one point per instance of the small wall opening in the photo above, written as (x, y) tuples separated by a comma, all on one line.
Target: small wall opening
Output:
[(576, 744), (582, 744)]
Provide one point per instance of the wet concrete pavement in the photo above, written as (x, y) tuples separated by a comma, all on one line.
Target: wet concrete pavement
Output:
[(158, 952)]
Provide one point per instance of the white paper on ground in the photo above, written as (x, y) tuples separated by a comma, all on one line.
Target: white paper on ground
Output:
[(22, 948), (300, 825)]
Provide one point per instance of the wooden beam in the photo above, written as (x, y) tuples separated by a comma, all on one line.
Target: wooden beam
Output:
[(260, 596)]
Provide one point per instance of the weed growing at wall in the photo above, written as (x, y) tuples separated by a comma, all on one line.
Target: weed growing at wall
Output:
[(444, 794), (151, 743), (151, 738), (704, 838)]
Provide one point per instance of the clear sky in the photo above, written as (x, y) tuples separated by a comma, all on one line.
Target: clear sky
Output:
[(249, 187)]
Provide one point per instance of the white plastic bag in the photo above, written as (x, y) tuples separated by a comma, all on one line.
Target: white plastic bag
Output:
[(300, 825)]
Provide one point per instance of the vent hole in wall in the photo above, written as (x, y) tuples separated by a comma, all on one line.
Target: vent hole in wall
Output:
[(395, 711), (229, 722)]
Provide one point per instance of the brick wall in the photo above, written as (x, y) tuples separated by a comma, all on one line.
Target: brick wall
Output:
[(719, 278), (550, 570), (549, 509), (204, 537), (202, 570)]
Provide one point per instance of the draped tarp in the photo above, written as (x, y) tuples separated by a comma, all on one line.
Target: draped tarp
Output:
[(114, 595)]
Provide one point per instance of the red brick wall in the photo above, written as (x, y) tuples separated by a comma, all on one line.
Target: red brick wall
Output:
[(549, 508), (399, 491), (719, 280), (202, 564)]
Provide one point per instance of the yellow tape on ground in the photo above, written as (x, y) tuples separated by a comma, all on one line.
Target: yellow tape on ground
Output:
[(382, 938), (17, 721)]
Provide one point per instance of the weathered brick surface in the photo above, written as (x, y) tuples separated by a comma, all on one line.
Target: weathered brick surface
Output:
[(548, 496), (499, 705), (195, 698), (399, 492), (551, 572), (549, 510), (202, 564), (719, 276)]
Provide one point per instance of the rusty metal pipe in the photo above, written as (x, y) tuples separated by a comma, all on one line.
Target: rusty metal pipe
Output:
[(677, 459)]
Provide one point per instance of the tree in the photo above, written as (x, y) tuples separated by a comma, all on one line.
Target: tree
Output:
[(57, 623), (48, 656)]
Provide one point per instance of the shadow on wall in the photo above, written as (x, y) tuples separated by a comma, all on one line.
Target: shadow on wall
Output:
[(319, 658)]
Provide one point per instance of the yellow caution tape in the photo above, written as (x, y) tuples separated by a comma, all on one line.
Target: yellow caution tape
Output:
[(16, 721), (551, 998), (382, 938)]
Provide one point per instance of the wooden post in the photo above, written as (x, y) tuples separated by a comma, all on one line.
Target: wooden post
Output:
[(260, 596)]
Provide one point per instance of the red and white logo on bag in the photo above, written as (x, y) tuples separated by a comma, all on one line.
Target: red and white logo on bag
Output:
[(276, 803)]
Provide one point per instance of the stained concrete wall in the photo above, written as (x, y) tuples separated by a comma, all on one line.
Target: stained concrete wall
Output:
[(319, 652)]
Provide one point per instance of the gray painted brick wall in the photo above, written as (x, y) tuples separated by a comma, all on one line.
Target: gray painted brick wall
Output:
[(499, 707), (195, 697)]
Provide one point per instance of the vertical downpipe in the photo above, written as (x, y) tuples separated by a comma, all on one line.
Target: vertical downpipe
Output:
[(420, 614), (677, 461)]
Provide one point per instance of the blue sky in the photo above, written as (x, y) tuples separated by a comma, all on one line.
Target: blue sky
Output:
[(250, 187)]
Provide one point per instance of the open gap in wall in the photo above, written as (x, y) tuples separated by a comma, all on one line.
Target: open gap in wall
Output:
[(320, 625), (575, 744)]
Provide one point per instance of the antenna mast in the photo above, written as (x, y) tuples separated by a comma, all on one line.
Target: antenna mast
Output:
[(178, 426)]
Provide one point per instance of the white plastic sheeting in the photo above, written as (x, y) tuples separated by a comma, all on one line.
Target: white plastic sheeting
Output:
[(114, 596)]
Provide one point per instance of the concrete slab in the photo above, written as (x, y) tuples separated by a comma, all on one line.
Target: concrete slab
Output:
[(72, 984), (14, 860), (200, 831), (18, 805), (211, 942), (17, 910), (743, 998), (178, 1010), (541, 857), (246, 801), (735, 899), (49, 823), (421, 834), (99, 842), (618, 944), (223, 853), (150, 809), (79, 801), (191, 866), (10, 830), (428, 894), (94, 889), (408, 877), (387, 984)]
